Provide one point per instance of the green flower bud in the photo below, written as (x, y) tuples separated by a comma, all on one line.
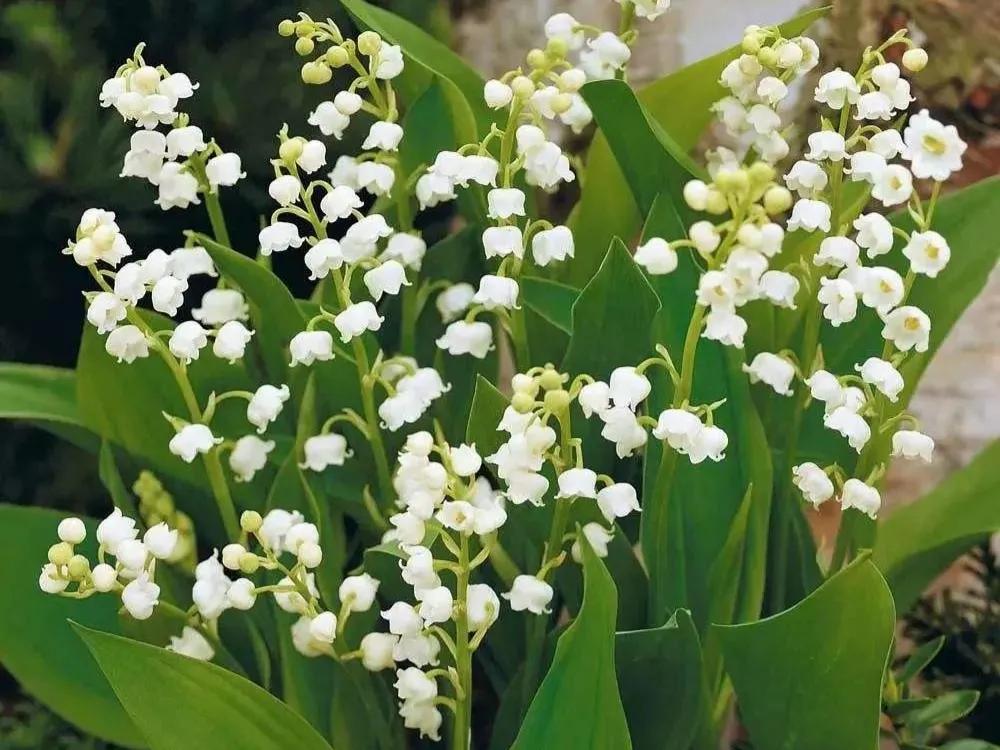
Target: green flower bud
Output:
[(304, 45), (556, 48), (915, 59), (523, 87), (522, 403), (550, 379), (286, 27), (79, 566), (291, 150), (60, 553), (316, 73), (537, 58), (777, 200), (369, 43), (761, 173), (337, 57), (251, 521), (249, 563), (768, 57), (557, 401), (751, 44), (561, 103), (715, 202)]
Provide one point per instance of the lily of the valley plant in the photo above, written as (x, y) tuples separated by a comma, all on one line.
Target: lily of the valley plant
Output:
[(492, 483)]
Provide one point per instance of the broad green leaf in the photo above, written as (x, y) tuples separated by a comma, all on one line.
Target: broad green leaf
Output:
[(918, 541), (945, 709), (660, 679), (136, 424), (612, 317), (45, 396), (488, 406), (111, 478), (652, 161), (811, 676), (37, 645), (682, 535), (180, 703), (578, 705), (306, 683), (275, 314), (551, 300), (680, 103), (968, 745)]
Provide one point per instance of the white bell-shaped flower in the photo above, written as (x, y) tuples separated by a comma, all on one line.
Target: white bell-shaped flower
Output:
[(114, 530), (192, 440), (529, 594), (617, 501), (249, 455), (354, 320), (219, 306), (340, 203), (278, 237), (187, 341), (140, 596), (577, 483), (322, 451), (224, 170), (461, 337), (329, 119), (913, 444), (928, 253), (814, 484), (105, 312), (861, 497), (772, 370), (127, 344), (597, 537), (311, 346), (499, 242), (907, 327), (383, 136), (505, 203), (168, 295), (161, 541), (386, 278), (403, 619), (231, 341), (266, 404), (934, 150), (285, 189), (883, 376), (849, 424)]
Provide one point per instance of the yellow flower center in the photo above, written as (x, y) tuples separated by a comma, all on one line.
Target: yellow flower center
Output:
[(912, 323), (934, 144)]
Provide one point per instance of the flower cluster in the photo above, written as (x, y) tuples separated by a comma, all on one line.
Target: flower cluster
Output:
[(758, 82), (180, 163)]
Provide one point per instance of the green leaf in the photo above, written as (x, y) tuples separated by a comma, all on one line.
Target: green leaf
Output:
[(969, 745), (275, 314), (488, 406), (944, 709), (682, 535), (45, 396), (660, 679), (180, 703), (652, 161), (578, 705), (37, 645), (136, 424), (680, 103), (918, 541), (550, 299), (799, 673), (919, 659), (111, 478), (617, 300)]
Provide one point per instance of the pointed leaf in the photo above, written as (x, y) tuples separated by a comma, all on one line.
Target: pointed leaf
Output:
[(550, 299), (180, 703), (799, 673), (44, 396), (578, 705), (660, 678)]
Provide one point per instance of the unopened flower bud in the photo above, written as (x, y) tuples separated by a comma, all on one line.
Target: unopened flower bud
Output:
[(777, 200), (523, 87), (751, 43), (286, 27), (79, 566), (522, 403), (250, 521), (249, 563), (732, 180), (696, 194), (537, 58), (572, 80), (556, 48), (337, 57), (291, 150), (369, 43), (550, 379), (104, 577), (310, 554), (316, 73), (557, 401), (915, 59), (522, 383), (231, 556), (561, 103), (60, 553), (72, 530), (304, 46), (768, 57), (761, 173), (715, 202)]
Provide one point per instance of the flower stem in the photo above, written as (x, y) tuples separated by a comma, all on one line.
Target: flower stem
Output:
[(218, 221), (461, 739)]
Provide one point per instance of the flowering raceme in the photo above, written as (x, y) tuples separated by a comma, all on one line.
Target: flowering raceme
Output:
[(385, 498)]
